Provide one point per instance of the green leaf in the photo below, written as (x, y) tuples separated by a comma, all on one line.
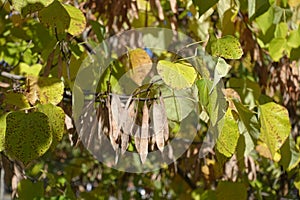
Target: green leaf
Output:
[(77, 20), (231, 191), (2, 131), (221, 70), (293, 39), (248, 90), (57, 122), (179, 103), (28, 135), (277, 47), (203, 90), (99, 30), (228, 138), (25, 70), (55, 16), (281, 30), (227, 47), (291, 155), (45, 90), (265, 21), (275, 126), (203, 5), (30, 190), (257, 8), (176, 75), (16, 99), (30, 6), (248, 119), (217, 105)]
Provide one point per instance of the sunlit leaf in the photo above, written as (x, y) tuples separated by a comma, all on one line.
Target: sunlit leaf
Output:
[(57, 122), (141, 65), (277, 47), (2, 131), (44, 89), (228, 138), (55, 16), (77, 20), (30, 6), (24, 69), (227, 47), (293, 39), (221, 70), (281, 30), (265, 20), (275, 126), (28, 135), (176, 75)]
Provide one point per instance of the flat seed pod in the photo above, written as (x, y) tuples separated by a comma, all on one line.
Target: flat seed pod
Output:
[(128, 117), (144, 134), (159, 125), (124, 142), (112, 125), (116, 109), (137, 138), (166, 125)]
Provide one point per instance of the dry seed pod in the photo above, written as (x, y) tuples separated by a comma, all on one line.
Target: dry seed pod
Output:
[(112, 125), (137, 138), (144, 134), (124, 142), (159, 125), (128, 117), (116, 109), (166, 125)]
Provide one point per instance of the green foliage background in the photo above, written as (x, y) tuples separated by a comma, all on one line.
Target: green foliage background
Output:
[(253, 46)]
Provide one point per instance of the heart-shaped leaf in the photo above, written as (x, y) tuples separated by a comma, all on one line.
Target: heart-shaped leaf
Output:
[(275, 126), (44, 89), (28, 135), (176, 75), (57, 122), (227, 47)]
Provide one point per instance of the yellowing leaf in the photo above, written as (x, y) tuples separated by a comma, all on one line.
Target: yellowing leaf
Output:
[(141, 65), (28, 135), (2, 131), (77, 20), (24, 69), (57, 122), (44, 89), (227, 47), (176, 75), (228, 138), (275, 126)]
